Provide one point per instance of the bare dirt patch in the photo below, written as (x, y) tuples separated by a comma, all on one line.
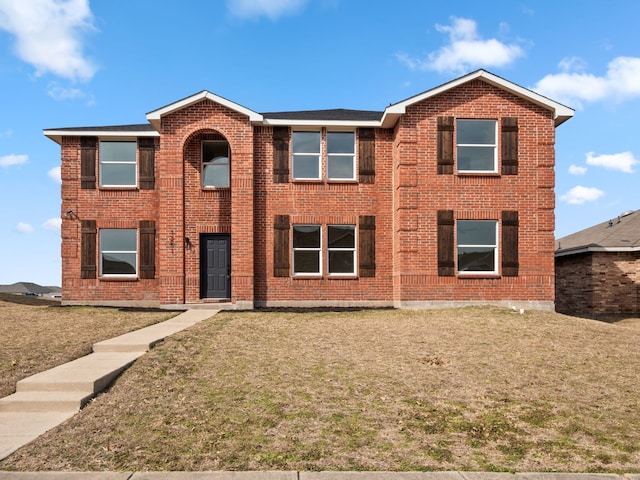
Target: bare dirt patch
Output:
[(463, 389), (38, 334)]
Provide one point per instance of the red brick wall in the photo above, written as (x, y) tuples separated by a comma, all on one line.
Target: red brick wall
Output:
[(598, 283), (110, 208), (420, 192), (405, 198)]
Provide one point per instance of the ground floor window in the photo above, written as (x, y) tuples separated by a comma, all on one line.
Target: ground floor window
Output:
[(118, 251), (311, 258), (477, 246)]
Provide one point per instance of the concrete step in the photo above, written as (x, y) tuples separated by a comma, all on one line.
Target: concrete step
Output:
[(92, 373), (45, 401)]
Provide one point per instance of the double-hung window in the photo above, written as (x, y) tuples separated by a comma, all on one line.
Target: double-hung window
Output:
[(476, 142), (341, 246), (118, 164), (341, 156), (306, 156), (118, 251), (215, 164), (477, 246), (307, 249)]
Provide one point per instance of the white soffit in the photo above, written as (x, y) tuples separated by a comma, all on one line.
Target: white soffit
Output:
[(154, 116), (561, 112), (57, 134)]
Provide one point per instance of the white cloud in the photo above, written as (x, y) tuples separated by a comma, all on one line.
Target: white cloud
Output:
[(623, 162), (48, 35), (24, 227), (579, 195), (6, 133), (466, 50), (57, 92), (9, 160), (577, 170), (54, 174), (52, 224), (575, 86), (272, 9)]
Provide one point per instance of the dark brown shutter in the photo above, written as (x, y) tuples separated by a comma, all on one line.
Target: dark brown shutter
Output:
[(147, 249), (88, 249), (146, 155), (510, 146), (367, 155), (367, 246), (281, 155), (510, 243), (281, 228), (446, 263), (445, 145), (88, 162)]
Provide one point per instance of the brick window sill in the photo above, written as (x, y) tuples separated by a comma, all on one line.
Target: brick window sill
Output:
[(117, 278)]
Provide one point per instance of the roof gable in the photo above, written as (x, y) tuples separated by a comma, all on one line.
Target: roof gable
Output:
[(155, 116), (561, 113)]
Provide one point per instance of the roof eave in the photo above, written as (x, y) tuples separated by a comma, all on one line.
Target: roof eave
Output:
[(561, 113), (320, 123), (56, 134), (154, 117), (595, 248)]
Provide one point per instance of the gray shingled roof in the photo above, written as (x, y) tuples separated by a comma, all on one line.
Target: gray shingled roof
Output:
[(332, 115), (618, 234)]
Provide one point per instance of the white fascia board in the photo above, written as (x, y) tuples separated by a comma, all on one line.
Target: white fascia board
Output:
[(154, 116), (56, 135), (578, 250), (562, 113), (321, 123)]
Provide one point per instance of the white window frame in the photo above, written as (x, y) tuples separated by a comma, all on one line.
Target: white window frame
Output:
[(204, 164), (301, 154), (331, 156), (342, 249), (307, 249), (128, 252), (104, 163), (494, 246), (493, 146)]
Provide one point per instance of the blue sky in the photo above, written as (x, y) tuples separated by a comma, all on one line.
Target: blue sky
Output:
[(68, 63)]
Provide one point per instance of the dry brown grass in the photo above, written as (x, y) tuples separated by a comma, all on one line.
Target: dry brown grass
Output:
[(466, 389), (38, 334)]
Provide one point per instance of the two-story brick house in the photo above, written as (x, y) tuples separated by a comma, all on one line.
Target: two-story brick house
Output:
[(445, 198)]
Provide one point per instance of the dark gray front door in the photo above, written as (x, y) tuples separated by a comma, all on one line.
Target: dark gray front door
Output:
[(215, 266)]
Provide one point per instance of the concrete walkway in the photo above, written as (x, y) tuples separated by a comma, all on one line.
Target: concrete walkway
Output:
[(293, 475), (47, 399)]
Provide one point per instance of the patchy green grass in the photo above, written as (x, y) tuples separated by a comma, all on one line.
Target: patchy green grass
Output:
[(461, 389)]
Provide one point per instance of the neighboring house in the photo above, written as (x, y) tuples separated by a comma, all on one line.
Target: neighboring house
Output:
[(445, 198), (598, 269), (28, 288)]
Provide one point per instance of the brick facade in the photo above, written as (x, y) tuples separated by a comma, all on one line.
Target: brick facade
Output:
[(397, 201)]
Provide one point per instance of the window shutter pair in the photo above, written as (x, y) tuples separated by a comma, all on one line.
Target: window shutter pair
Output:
[(366, 246), (146, 154), (366, 155), (89, 253), (446, 247), (509, 142)]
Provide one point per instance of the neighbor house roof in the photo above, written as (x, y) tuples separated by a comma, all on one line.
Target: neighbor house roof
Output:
[(619, 234), (332, 117)]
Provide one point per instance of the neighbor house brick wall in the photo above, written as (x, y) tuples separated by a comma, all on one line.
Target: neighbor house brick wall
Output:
[(597, 283)]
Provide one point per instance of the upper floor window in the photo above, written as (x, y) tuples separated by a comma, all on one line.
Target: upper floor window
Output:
[(306, 155), (215, 163), (477, 246), (341, 156), (118, 251), (476, 145), (118, 164)]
